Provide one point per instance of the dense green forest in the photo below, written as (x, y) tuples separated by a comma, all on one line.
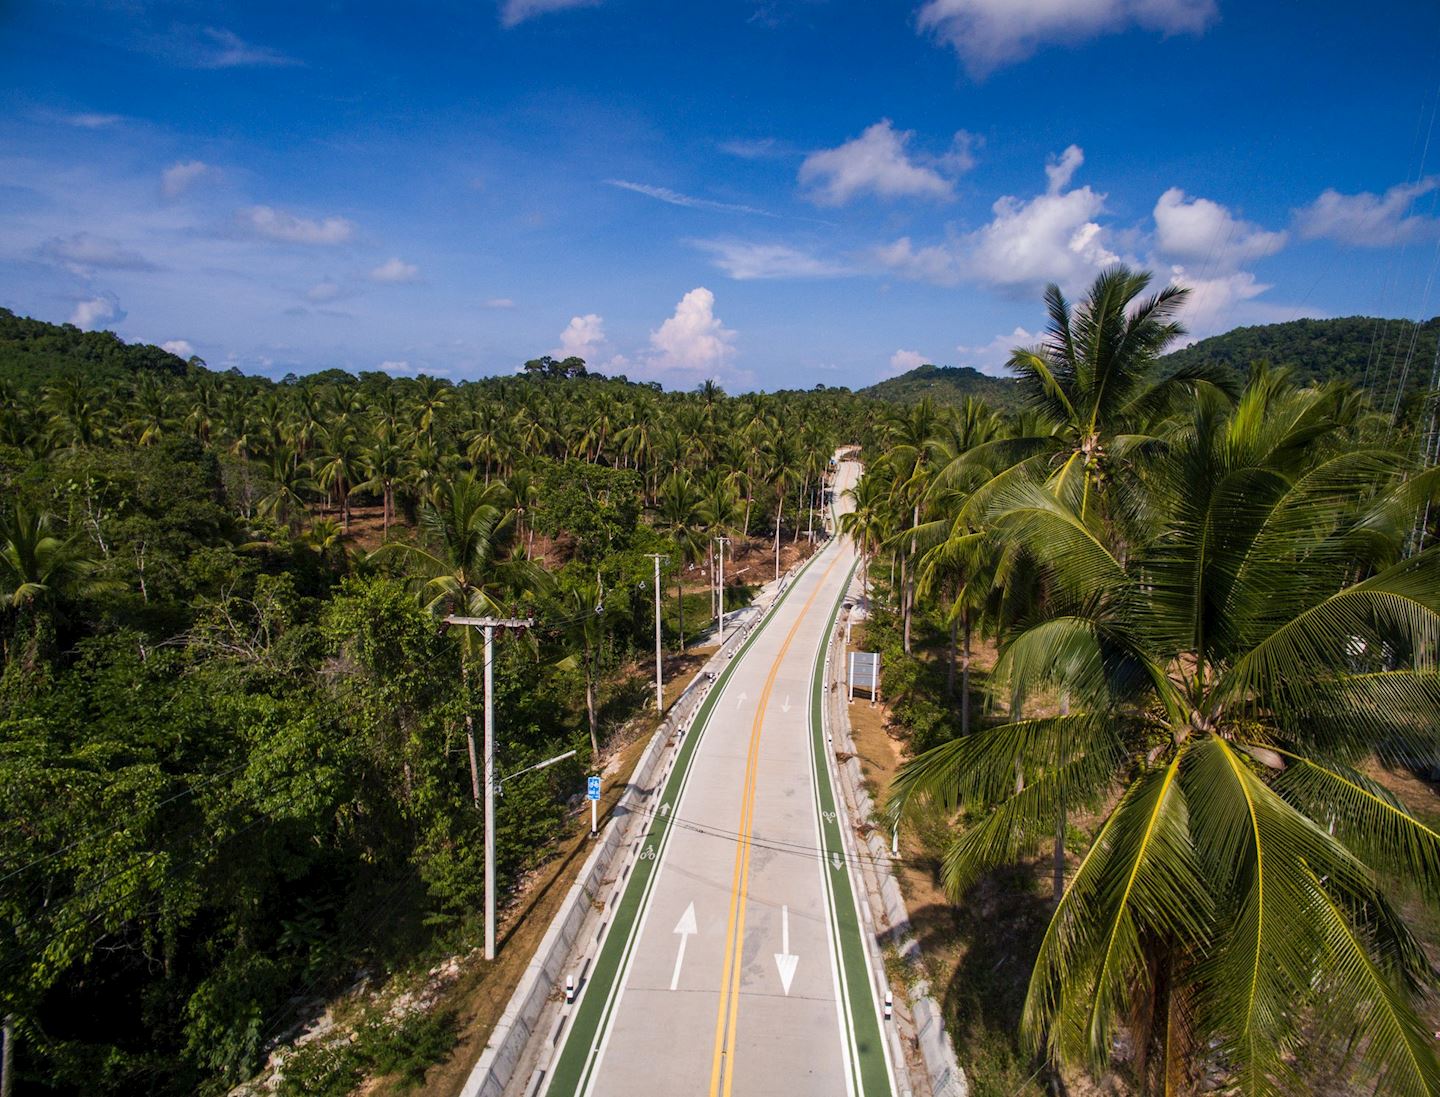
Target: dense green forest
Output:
[(234, 734), (1377, 355), (1209, 606), (234, 764), (1381, 356), (947, 385)]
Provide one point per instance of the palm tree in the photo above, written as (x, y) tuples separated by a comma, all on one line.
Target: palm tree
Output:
[(38, 567), (719, 507), (1259, 640), (782, 473), (339, 464), (681, 517), (467, 569), (386, 463)]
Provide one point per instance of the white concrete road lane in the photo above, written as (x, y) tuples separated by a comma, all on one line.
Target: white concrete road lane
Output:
[(741, 969)]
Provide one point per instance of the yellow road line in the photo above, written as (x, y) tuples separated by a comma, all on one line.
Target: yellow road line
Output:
[(722, 1072)]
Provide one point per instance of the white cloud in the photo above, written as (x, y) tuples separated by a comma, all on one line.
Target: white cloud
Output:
[(391, 366), (1199, 229), (84, 252), (904, 360), (96, 312), (675, 198), (327, 290), (218, 48), (181, 348), (1212, 304), (991, 357), (936, 263), (876, 162), (988, 34), (499, 303), (92, 121), (1059, 170), (279, 225), (693, 340), (1054, 237), (582, 337), (1369, 220), (178, 178), (395, 270), (744, 262), (756, 148), (513, 12)]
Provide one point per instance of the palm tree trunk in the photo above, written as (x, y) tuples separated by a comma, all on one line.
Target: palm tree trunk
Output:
[(965, 672), (593, 713), (7, 1056), (950, 660), (1057, 882), (745, 529), (470, 732)]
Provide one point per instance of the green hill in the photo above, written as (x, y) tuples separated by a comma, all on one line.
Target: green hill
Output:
[(1364, 350), (33, 352), (946, 385)]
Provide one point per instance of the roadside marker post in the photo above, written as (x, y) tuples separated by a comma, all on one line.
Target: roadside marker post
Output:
[(889, 1005), (569, 989), (592, 793)]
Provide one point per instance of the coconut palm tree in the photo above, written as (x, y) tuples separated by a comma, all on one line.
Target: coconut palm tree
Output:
[(467, 567), (681, 518), (38, 567), (1229, 676)]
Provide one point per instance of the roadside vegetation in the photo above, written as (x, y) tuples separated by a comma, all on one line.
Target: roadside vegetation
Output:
[(235, 737), (1162, 647)]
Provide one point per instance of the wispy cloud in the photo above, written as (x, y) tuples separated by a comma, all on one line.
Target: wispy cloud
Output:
[(675, 198), (988, 34), (91, 121), (216, 48), (395, 270), (748, 261), (514, 12), (178, 178), (1369, 220), (84, 252), (279, 225)]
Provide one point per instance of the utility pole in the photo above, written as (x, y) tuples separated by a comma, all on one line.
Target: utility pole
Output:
[(659, 680), (490, 624), (723, 542)]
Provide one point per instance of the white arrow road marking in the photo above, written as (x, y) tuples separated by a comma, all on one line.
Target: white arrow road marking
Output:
[(786, 706), (741, 699), (835, 860), (664, 810), (783, 959), (685, 927)]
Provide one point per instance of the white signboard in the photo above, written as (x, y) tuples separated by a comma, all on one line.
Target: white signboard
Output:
[(865, 673)]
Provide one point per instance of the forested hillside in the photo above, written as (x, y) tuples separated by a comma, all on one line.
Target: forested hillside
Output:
[(33, 352), (946, 385), (1371, 353), (235, 755)]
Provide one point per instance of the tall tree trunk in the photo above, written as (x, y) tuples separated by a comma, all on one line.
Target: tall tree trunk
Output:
[(1057, 884), (594, 715), (950, 660), (470, 732), (965, 671), (7, 1056)]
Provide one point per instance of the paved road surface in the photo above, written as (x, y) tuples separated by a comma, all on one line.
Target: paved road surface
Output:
[(734, 963)]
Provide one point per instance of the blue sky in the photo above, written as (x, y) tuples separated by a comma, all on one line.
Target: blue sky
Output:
[(776, 193)]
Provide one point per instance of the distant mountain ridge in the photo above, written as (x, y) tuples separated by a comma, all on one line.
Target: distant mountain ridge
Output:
[(946, 385), (33, 353), (1369, 352)]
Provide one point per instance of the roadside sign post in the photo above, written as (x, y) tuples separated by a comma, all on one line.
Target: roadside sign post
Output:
[(592, 793)]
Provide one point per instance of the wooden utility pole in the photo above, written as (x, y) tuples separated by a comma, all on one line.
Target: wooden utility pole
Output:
[(659, 681), (489, 625)]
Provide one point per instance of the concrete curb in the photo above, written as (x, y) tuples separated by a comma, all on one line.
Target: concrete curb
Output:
[(495, 1072), (924, 1020)]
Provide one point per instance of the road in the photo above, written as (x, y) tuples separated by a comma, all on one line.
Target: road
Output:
[(734, 962)]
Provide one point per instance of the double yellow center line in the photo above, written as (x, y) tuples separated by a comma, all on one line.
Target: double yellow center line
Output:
[(722, 1069)]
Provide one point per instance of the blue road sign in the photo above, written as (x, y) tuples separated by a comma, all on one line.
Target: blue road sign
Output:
[(592, 788)]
